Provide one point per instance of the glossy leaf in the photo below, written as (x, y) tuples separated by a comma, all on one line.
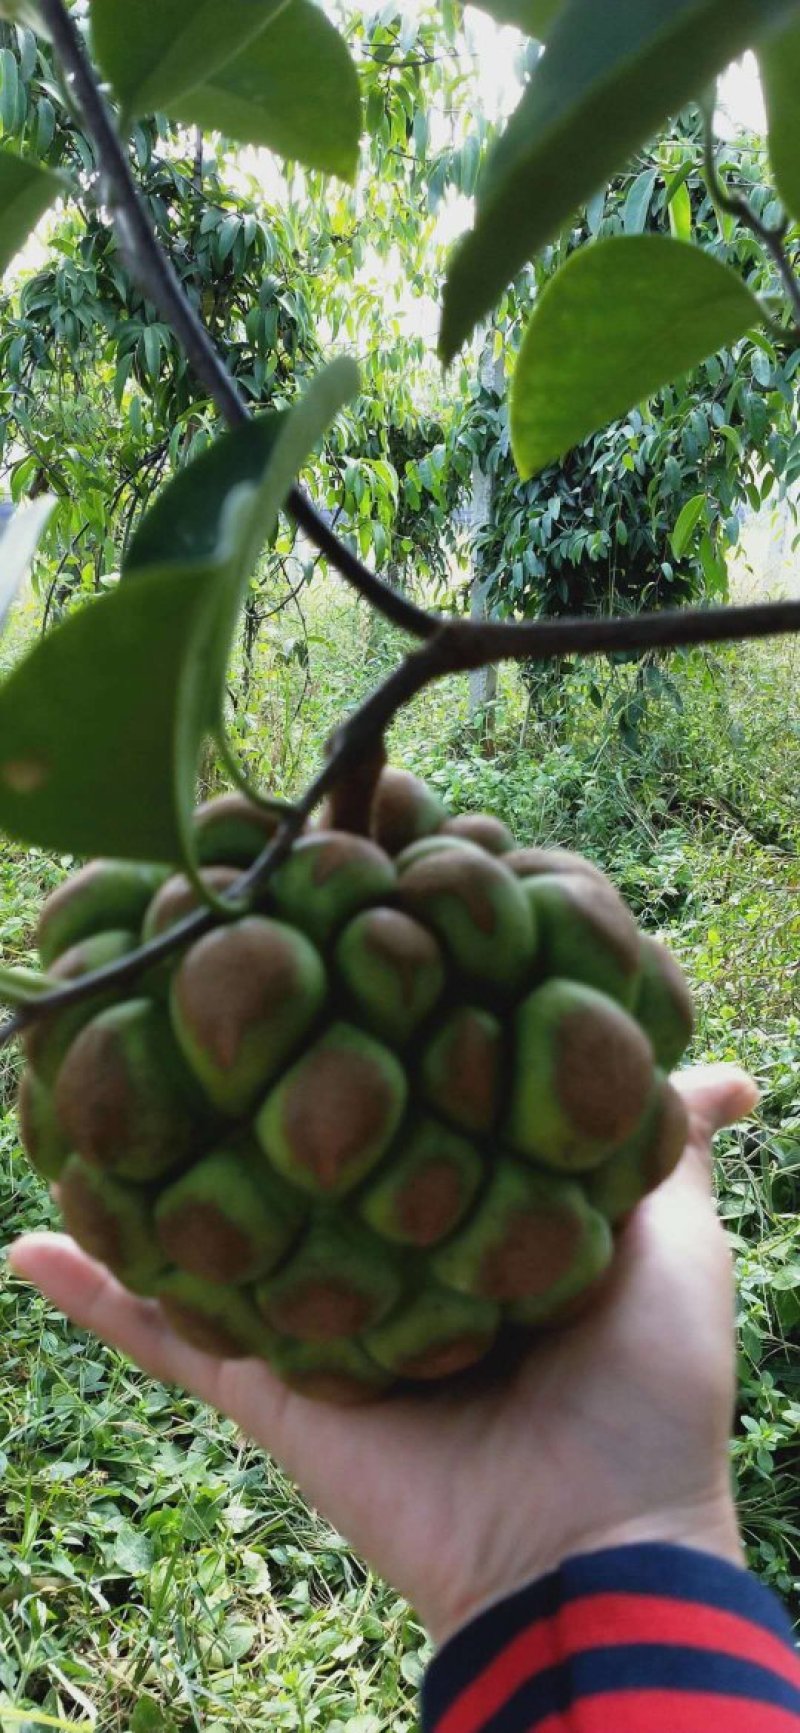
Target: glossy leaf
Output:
[(88, 719), (153, 51), (17, 549), (294, 90), (184, 523), (102, 724), (26, 190), (637, 204), (622, 318), (610, 76), (534, 17), (687, 523), (780, 73)]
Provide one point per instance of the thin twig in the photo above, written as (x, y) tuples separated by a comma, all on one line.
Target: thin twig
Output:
[(737, 205), (152, 270)]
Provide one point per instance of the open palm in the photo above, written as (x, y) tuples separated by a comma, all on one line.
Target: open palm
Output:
[(615, 1429)]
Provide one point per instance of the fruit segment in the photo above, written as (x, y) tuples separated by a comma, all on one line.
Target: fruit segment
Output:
[(527, 1241), (477, 909), (461, 1069), (41, 1130), (243, 997), (392, 969), (438, 1333), (124, 1097), (403, 810), (585, 933), (232, 831), (647, 1159), (112, 1221), (229, 1218), (221, 1321), (431, 1179), (483, 831), (582, 1076), (663, 1003), (48, 1040), (338, 1282), (334, 1113), (104, 895), (342, 1373), (328, 877)]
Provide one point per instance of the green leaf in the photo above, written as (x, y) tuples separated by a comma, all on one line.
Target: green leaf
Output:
[(687, 523), (153, 51), (680, 212), (611, 75), (637, 204), (534, 17), (17, 549), (295, 90), (780, 74), (102, 724), (623, 317), (26, 190)]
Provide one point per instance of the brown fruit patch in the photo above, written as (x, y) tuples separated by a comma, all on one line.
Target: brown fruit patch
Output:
[(93, 1096), (604, 911), (321, 1309), (468, 878), (444, 1360), (528, 863), (235, 808), (77, 887), (208, 1334), (349, 805), (178, 897), (536, 1251), (471, 1082), (430, 1204), (603, 1072), (486, 832), (90, 1221), (333, 1387), (201, 1239), (670, 1141), (407, 947), (232, 979), (339, 1105), (401, 810), (334, 851), (675, 982)]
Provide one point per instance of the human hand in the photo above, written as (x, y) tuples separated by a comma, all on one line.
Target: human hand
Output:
[(613, 1430)]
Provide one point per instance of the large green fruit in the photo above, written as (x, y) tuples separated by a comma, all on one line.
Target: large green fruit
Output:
[(381, 1121)]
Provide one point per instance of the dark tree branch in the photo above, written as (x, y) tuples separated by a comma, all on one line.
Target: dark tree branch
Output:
[(151, 269), (455, 648)]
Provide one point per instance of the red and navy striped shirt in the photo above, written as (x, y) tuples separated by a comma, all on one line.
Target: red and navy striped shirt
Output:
[(638, 1639)]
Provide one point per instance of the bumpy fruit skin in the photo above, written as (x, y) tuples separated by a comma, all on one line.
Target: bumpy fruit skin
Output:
[(381, 1122)]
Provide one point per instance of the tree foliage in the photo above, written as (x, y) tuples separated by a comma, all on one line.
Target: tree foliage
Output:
[(284, 282)]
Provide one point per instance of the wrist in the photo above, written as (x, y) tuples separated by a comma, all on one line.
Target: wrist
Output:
[(708, 1526)]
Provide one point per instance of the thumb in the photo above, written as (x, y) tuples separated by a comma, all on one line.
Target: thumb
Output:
[(715, 1096)]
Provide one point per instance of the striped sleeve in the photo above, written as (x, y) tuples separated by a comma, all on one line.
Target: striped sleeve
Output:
[(640, 1639)]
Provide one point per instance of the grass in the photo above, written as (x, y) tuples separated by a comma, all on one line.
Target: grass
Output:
[(155, 1572)]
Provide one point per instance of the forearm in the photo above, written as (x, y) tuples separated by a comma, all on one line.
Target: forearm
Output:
[(641, 1639)]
